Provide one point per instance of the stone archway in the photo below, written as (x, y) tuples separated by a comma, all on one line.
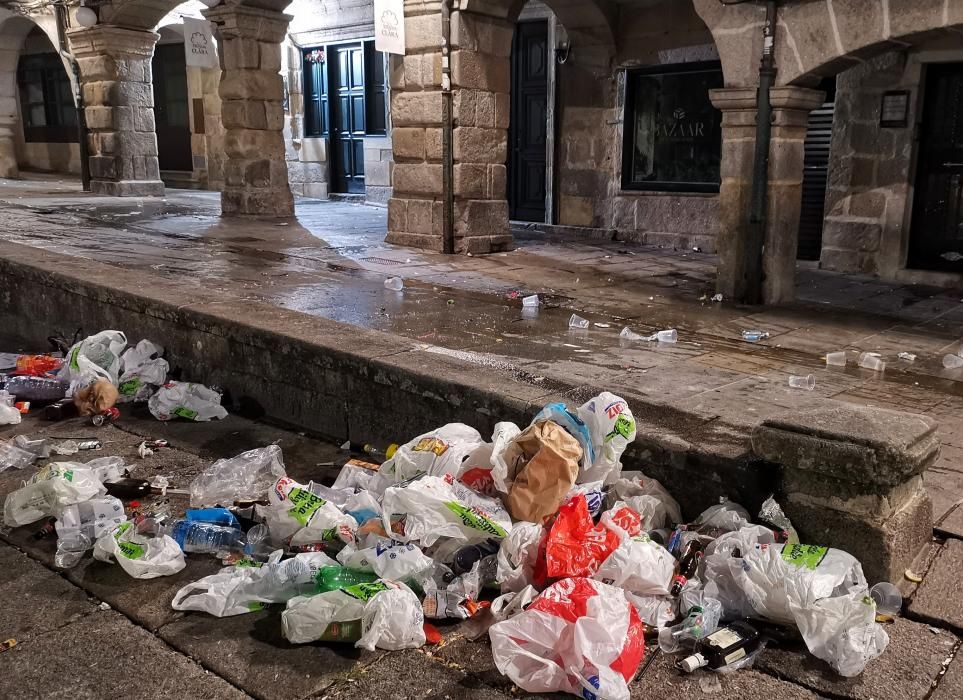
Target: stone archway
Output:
[(14, 29), (481, 43)]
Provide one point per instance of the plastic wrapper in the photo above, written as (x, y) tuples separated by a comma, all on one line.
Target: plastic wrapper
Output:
[(437, 453), (447, 605), (361, 506), (433, 507), (296, 517), (579, 636), (247, 477), (40, 447), (94, 357), (94, 518), (725, 515), (594, 493), (518, 556), (647, 497), (186, 400), (772, 514), (612, 428), (53, 488), (388, 559), (142, 370), (575, 545), (543, 463), (13, 457), (140, 556), (559, 413)]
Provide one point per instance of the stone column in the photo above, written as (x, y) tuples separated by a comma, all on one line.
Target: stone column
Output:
[(115, 77), (8, 152), (791, 107), (251, 90), (8, 111)]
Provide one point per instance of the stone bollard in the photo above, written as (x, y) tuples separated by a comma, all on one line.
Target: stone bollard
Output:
[(852, 479)]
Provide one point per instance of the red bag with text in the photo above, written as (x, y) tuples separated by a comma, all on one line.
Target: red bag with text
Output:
[(576, 546)]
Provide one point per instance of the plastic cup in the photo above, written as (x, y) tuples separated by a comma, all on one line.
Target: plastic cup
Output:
[(836, 359), (395, 284), (667, 336), (628, 334), (952, 361), (807, 382), (530, 302), (872, 360), (578, 322), (889, 601)]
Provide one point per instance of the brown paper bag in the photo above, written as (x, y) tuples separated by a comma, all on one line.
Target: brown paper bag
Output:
[(543, 462)]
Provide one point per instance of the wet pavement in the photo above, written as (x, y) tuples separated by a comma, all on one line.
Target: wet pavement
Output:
[(331, 261)]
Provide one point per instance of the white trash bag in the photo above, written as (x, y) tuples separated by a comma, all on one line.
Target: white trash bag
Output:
[(194, 402), (517, 556), (433, 507), (296, 517), (246, 477), (393, 619), (648, 497), (142, 370), (502, 437), (93, 518), (436, 453), (612, 427), (95, 357), (579, 636), (388, 559), (51, 489), (638, 566), (140, 556)]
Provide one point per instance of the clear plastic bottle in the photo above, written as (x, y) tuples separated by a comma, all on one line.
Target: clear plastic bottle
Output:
[(36, 388), (205, 538)]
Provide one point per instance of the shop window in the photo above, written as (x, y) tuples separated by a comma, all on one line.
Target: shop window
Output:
[(46, 100), (673, 134), (320, 76)]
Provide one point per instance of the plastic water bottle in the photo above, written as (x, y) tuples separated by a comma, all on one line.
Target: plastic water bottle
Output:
[(36, 388), (205, 538)]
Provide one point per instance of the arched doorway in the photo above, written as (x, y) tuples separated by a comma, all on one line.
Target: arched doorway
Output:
[(172, 113)]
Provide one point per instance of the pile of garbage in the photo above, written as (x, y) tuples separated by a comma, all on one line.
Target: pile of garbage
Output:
[(574, 568)]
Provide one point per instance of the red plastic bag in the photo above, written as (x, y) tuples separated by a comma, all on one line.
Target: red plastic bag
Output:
[(576, 546), (579, 636)]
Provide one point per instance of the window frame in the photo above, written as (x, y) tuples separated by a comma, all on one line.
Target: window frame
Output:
[(628, 130), (52, 78)]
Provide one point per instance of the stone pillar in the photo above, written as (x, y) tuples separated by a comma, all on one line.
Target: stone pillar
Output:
[(852, 479), (8, 111), (251, 90), (115, 77), (8, 152), (790, 111), (481, 47)]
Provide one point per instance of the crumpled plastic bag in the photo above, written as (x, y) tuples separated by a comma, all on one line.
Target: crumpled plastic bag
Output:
[(241, 589), (559, 413), (246, 477), (54, 487), (361, 506), (575, 545), (140, 556), (594, 493), (518, 556), (579, 636), (433, 507), (297, 517), (341, 615), (142, 370), (542, 467), (94, 357), (9, 414), (437, 453), (94, 517), (638, 564), (194, 402), (13, 457), (655, 610), (503, 435), (388, 559), (647, 497), (725, 515), (612, 427)]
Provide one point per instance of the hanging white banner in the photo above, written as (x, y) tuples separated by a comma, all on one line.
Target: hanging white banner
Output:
[(389, 21), (199, 43)]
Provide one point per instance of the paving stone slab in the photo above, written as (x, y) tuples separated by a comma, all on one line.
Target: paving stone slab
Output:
[(905, 671), (105, 657), (404, 675), (951, 524), (950, 686), (940, 596), (250, 652), (36, 600)]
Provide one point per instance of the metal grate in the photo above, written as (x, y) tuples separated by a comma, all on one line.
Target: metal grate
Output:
[(387, 262)]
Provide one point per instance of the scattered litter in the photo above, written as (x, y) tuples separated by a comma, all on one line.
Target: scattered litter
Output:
[(934, 630), (666, 336), (952, 361), (8, 644), (907, 356), (871, 360), (187, 400), (602, 325), (754, 336), (952, 256), (807, 382), (104, 606), (531, 302), (696, 249), (717, 297), (836, 359), (910, 576), (143, 451), (577, 322), (395, 284)]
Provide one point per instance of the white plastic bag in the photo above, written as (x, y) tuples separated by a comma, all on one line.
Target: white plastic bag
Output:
[(54, 487), (142, 370), (579, 636), (13, 457), (141, 557), (297, 517), (434, 507), (246, 477), (502, 437), (392, 620), (211, 594), (639, 566), (94, 357), (517, 556), (655, 610), (436, 453), (388, 559), (93, 517), (648, 497), (725, 515), (187, 400), (9, 414), (612, 427)]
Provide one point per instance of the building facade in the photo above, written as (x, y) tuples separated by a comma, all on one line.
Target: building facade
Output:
[(637, 118)]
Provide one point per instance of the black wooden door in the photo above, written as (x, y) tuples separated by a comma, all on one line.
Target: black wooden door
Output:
[(348, 118), (171, 111), (528, 125), (819, 135), (936, 236)]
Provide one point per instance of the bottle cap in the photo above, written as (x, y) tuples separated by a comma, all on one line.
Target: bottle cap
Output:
[(691, 663)]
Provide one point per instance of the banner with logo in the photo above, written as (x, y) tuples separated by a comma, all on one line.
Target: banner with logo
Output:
[(389, 21), (199, 43)]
